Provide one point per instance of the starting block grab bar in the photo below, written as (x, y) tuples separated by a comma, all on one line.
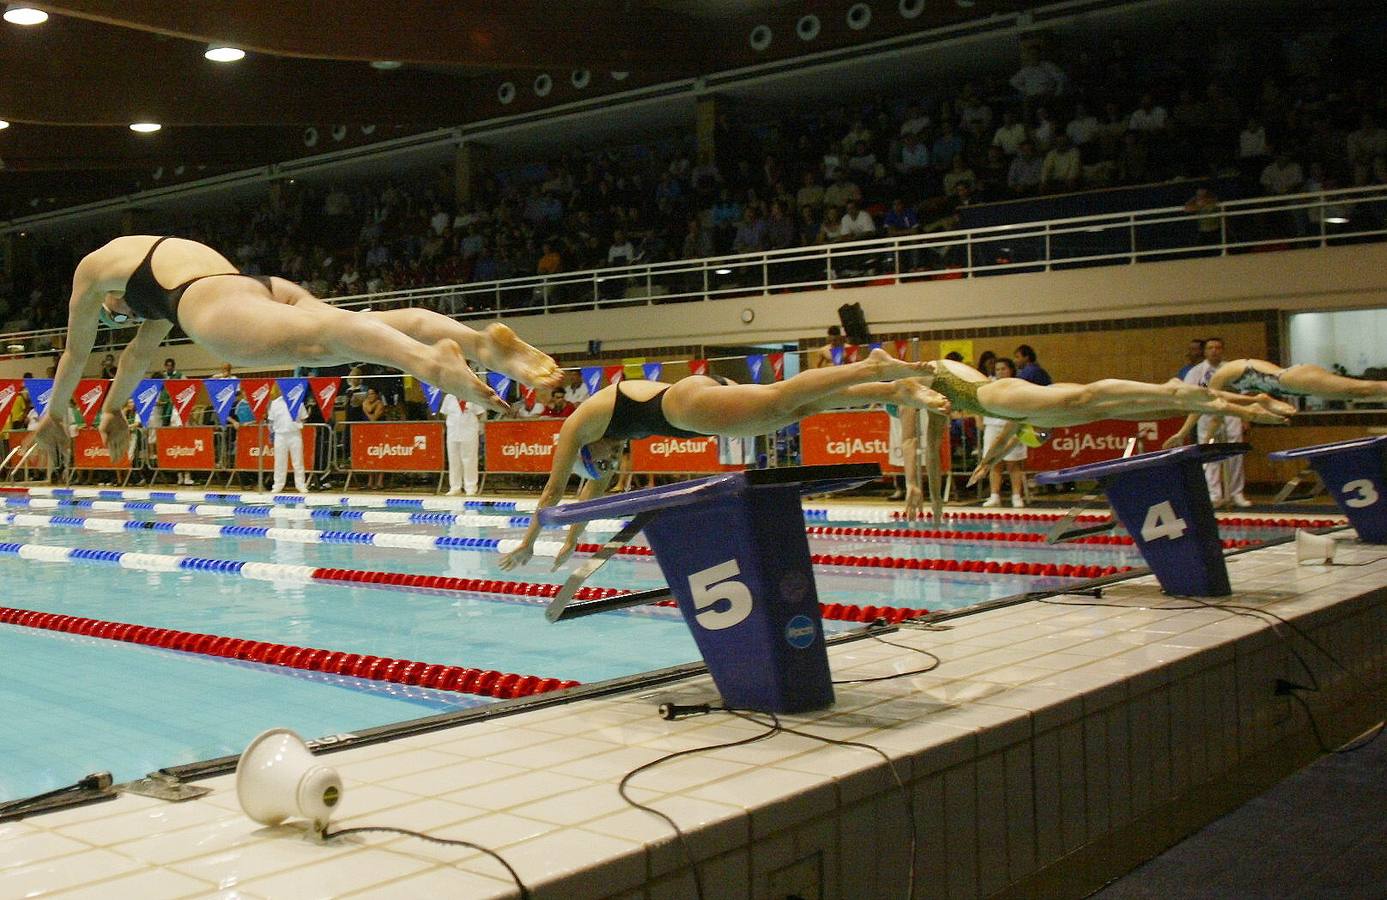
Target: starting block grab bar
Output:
[(1355, 474), (734, 552)]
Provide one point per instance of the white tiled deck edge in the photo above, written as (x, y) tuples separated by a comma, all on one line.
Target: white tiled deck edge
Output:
[(1045, 729)]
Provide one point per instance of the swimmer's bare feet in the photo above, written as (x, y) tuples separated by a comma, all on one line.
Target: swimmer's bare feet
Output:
[(1280, 407), (891, 368), (454, 376), (502, 350), (910, 392)]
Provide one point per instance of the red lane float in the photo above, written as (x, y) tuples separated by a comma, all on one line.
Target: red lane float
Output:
[(482, 682), (1019, 537), (1232, 521)]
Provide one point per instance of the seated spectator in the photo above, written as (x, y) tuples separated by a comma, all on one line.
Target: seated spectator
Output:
[(1037, 78), (810, 225), (811, 193), (1024, 175), (858, 134), (1282, 175), (1252, 142), (698, 242), (1042, 130), (901, 220), (857, 223), (780, 229), (1365, 145), (992, 179), (960, 172), (1061, 169), (550, 262), (841, 190), (831, 226), (1111, 131), (974, 116), (946, 147), (913, 157), (751, 232), (621, 252), (1209, 224), (1009, 134), (1083, 127), (1149, 117), (915, 121), (863, 163)]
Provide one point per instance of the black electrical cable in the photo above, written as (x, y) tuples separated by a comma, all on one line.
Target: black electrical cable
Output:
[(929, 668), (524, 891)]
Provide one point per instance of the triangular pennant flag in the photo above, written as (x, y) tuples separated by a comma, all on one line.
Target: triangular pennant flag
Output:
[(9, 393), (325, 393), (698, 367), (902, 348), (293, 390), (755, 363), (836, 354), (874, 346), (652, 371), (40, 392), (147, 397), (614, 374), (850, 353), (592, 378), (499, 383), (89, 394), (777, 366), (433, 395), (527, 396), (183, 393), (222, 391), (257, 391)]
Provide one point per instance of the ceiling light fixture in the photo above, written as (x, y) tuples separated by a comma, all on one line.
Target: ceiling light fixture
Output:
[(4, 124), (1336, 220), (386, 65), (24, 15), (145, 127), (223, 54)]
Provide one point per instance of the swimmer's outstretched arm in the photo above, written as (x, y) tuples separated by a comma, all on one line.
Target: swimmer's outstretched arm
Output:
[(135, 360), (583, 427), (1181, 437), (82, 310), (1005, 441)]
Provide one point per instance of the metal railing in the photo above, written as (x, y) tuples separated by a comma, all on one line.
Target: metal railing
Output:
[(1307, 220)]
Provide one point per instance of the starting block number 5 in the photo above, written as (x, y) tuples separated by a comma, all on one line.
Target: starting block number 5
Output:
[(1162, 522), (718, 583), (1367, 494)]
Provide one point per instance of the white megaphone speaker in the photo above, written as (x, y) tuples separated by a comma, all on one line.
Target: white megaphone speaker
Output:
[(278, 778), (1314, 548)]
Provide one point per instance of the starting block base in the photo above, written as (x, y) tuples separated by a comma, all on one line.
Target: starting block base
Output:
[(1355, 473), (1163, 501), (734, 552)]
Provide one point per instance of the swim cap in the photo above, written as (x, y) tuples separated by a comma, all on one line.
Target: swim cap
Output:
[(1032, 436), (109, 319), (585, 466)]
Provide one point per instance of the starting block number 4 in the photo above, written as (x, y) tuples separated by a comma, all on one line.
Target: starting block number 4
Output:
[(717, 583), (1162, 522), (1363, 487)]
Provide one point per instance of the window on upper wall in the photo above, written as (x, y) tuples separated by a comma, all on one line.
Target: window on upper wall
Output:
[(1351, 342)]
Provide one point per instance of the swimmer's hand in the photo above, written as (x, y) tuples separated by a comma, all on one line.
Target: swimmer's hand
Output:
[(977, 475), (569, 545), (518, 557), (1175, 440), (914, 501), (115, 434), (939, 405), (50, 436)]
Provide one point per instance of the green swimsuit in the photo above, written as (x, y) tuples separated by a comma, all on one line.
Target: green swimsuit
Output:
[(963, 394)]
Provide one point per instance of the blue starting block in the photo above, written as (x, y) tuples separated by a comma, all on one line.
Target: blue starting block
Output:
[(1162, 500), (1354, 471), (734, 553)]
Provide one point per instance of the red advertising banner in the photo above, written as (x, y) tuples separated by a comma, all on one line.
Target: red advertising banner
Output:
[(777, 366), (89, 453), (669, 454), (183, 393), (325, 394), (10, 389), (249, 450), (257, 391), (1098, 441), (13, 441), (521, 445), (186, 449), (397, 446), (614, 374), (834, 438), (89, 394)]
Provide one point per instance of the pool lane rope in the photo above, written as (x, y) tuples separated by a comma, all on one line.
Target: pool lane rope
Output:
[(261, 497), (284, 573), (458, 679), (541, 548)]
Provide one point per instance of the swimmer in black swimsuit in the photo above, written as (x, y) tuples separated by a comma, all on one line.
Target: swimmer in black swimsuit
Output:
[(259, 321), (591, 440)]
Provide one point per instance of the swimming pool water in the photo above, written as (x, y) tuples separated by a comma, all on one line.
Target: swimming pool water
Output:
[(79, 704)]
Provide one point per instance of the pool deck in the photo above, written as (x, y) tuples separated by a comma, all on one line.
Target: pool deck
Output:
[(1051, 750)]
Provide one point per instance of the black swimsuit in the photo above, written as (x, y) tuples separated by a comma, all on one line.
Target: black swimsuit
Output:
[(632, 419), (148, 299)]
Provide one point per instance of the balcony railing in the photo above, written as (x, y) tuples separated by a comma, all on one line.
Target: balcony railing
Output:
[(1309, 220)]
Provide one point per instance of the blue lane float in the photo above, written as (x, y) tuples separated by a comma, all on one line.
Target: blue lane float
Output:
[(1162, 499), (1355, 474)]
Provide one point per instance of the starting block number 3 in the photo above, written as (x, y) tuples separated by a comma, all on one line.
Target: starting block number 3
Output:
[(1162, 522), (1367, 494), (715, 583)]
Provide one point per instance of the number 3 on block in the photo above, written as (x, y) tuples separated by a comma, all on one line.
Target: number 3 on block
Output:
[(718, 583), (1161, 522)]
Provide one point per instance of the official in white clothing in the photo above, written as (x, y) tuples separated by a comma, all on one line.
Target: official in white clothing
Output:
[(1225, 478), (464, 440), (288, 438)]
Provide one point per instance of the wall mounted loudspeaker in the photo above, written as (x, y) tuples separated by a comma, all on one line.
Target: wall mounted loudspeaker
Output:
[(854, 323), (278, 778)]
